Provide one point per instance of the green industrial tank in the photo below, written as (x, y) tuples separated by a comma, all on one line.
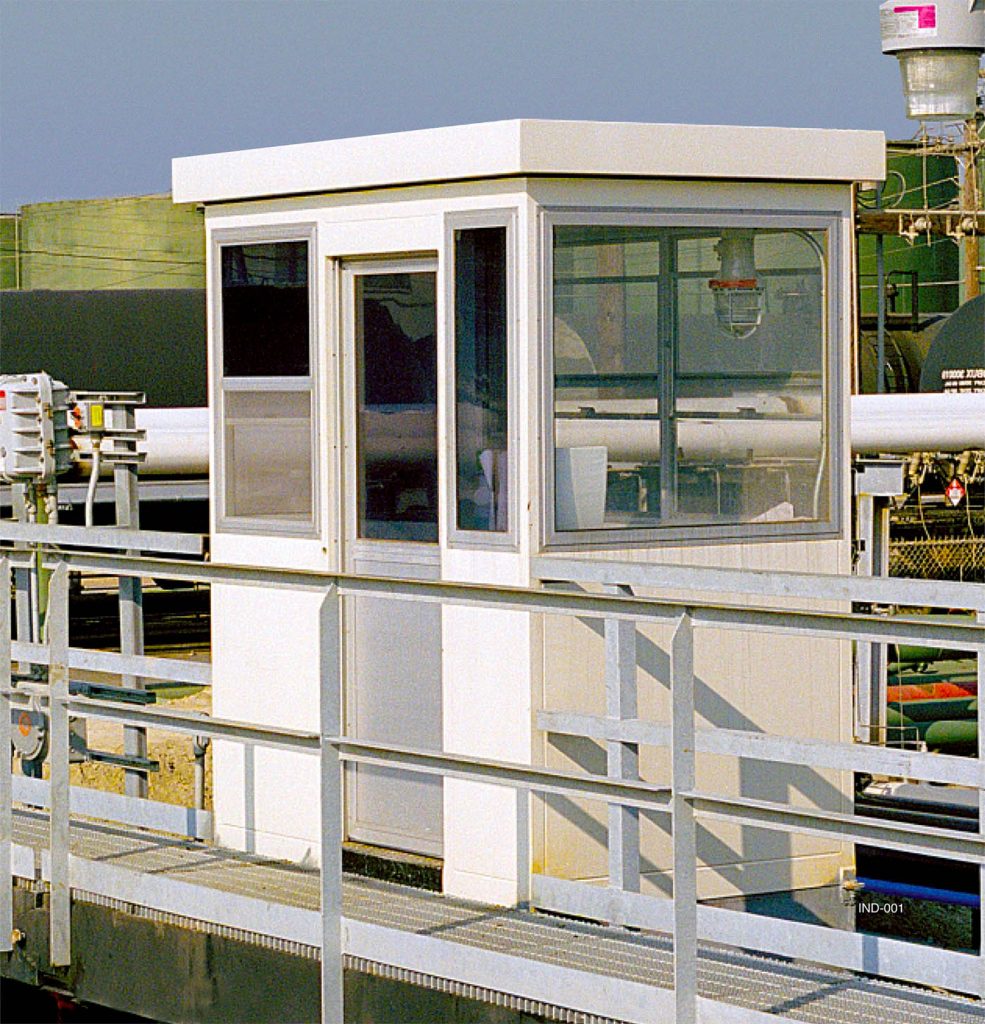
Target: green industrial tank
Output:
[(914, 181)]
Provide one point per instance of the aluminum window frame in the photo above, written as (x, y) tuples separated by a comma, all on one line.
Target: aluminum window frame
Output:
[(264, 235), (500, 540), (831, 223)]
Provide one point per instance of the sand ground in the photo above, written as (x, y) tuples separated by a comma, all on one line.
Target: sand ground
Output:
[(174, 782)]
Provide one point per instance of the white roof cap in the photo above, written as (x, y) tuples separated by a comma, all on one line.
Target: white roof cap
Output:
[(524, 147)]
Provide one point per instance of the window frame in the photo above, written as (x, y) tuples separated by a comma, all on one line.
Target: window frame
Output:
[(350, 270), (830, 222), (463, 220), (259, 525)]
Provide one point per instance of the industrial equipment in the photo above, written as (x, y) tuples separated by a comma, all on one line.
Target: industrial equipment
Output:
[(938, 46)]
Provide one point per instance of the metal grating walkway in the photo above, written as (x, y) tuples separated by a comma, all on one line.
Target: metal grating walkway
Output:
[(793, 990)]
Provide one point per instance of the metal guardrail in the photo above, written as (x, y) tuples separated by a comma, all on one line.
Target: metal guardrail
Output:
[(621, 730)]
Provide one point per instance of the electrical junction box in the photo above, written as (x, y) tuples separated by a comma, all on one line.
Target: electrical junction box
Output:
[(34, 438), (89, 417), (880, 478)]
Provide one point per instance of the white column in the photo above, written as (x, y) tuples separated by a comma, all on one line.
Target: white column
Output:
[(486, 692)]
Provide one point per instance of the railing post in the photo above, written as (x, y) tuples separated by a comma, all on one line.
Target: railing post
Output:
[(22, 577), (331, 676), (6, 782), (131, 602), (623, 759), (981, 808), (871, 657), (685, 835), (60, 908)]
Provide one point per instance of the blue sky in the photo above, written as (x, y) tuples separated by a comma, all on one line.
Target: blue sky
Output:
[(97, 96)]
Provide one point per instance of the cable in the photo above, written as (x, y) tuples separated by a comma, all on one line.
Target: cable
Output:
[(93, 480), (96, 256)]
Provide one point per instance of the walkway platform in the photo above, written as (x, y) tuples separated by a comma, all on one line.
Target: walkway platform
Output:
[(545, 966)]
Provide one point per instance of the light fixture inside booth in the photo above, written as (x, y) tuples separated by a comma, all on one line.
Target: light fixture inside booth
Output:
[(738, 297), (938, 46)]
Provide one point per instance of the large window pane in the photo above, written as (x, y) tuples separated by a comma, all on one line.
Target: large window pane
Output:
[(265, 314), (397, 412), (749, 380), (480, 379), (267, 449), (607, 366), (689, 376)]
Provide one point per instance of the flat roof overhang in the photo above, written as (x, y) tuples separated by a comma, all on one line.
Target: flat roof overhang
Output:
[(498, 149)]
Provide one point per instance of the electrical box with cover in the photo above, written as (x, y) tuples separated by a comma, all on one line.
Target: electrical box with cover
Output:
[(34, 438)]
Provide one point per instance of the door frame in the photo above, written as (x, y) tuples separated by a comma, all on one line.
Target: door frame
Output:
[(421, 558)]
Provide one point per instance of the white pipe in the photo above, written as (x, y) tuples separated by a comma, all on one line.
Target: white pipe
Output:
[(177, 441), (93, 478), (931, 422)]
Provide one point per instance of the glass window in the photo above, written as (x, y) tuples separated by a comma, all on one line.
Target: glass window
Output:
[(267, 447), (397, 411), (688, 376), (267, 462), (482, 476), (265, 315)]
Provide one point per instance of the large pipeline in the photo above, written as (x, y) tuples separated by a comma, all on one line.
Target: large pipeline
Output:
[(177, 441)]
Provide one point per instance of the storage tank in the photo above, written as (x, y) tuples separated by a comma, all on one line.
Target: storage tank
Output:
[(956, 360)]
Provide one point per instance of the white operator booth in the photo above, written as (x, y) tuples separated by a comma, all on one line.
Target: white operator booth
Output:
[(441, 354)]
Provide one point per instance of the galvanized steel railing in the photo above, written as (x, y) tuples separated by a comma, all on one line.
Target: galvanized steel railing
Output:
[(620, 729)]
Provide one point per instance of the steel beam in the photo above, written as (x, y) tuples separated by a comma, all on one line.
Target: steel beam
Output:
[(830, 625), (504, 773), (197, 673), (853, 951), (131, 595), (812, 587), (95, 803), (893, 835), (56, 626), (6, 780), (330, 673), (622, 758), (114, 538), (685, 838), (197, 724), (981, 810), (859, 757)]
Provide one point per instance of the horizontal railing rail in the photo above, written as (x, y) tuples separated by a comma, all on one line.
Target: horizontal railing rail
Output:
[(115, 538), (881, 590)]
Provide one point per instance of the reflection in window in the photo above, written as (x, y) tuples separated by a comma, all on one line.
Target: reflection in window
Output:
[(480, 379), (267, 469), (689, 373), (397, 413), (267, 446), (265, 317)]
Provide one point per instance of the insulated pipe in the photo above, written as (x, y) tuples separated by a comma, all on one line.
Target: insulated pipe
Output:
[(929, 422), (178, 439), (177, 442)]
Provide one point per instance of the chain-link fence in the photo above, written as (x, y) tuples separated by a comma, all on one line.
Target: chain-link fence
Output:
[(941, 558)]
